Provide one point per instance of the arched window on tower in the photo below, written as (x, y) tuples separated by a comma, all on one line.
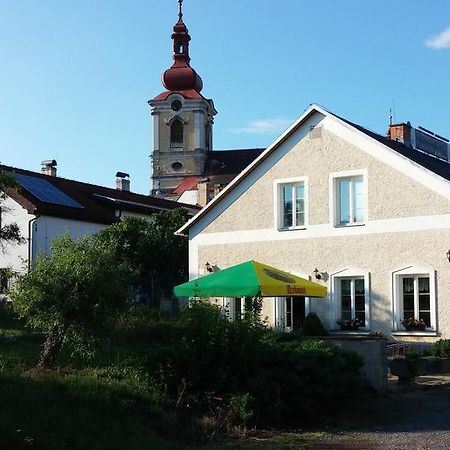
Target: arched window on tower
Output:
[(176, 133)]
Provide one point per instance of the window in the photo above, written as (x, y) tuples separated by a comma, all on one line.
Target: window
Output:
[(176, 133), (349, 200), (234, 308), (291, 210), (289, 312), (350, 297), (414, 297)]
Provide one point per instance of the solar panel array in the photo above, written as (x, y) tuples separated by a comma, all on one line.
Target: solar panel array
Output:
[(46, 191)]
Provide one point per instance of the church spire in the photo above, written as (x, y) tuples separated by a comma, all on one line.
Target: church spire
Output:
[(181, 76), (180, 12)]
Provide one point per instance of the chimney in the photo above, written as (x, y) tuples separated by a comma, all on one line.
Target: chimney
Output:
[(400, 132), (49, 167), (202, 192), (122, 181)]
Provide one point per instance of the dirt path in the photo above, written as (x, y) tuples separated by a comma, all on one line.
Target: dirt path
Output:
[(415, 418), (421, 421)]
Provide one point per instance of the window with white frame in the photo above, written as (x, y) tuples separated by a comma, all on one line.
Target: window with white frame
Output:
[(414, 300), (234, 307), (289, 312), (350, 299), (349, 203), (291, 201)]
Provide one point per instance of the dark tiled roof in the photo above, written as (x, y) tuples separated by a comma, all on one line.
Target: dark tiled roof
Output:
[(431, 163), (98, 203), (230, 162)]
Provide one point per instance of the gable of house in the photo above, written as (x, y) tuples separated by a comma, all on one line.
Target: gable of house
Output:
[(322, 147)]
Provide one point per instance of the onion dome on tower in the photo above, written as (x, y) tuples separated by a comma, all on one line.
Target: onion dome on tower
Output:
[(181, 77)]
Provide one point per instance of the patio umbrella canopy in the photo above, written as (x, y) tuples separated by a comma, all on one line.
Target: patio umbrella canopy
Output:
[(250, 279)]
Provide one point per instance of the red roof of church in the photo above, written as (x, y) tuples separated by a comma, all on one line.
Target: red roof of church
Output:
[(188, 184), (191, 93)]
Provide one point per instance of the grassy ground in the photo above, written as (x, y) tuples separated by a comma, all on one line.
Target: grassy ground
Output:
[(97, 407)]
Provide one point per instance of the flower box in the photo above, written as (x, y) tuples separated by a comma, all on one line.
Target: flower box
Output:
[(412, 324), (349, 325)]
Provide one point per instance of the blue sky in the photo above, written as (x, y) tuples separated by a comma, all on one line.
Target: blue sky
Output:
[(75, 77)]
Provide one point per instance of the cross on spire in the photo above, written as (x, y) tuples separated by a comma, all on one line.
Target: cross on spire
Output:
[(180, 12)]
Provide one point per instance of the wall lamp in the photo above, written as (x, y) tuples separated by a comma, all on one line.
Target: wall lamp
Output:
[(209, 268), (318, 275)]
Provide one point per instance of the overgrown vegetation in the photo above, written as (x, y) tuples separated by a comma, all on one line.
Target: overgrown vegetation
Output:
[(70, 294), (440, 348), (195, 372), (156, 256)]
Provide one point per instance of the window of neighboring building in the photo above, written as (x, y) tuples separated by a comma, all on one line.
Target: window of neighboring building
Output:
[(414, 298), (176, 133), (349, 205), (291, 204), (350, 298)]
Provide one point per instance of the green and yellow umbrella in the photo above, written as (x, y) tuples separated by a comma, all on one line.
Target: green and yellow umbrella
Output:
[(250, 279)]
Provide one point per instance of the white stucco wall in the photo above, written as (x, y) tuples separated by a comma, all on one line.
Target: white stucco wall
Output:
[(14, 256), (46, 229)]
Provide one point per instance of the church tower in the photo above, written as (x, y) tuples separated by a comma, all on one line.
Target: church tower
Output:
[(182, 119)]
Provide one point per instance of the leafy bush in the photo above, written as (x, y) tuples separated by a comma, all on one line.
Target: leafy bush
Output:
[(312, 326), (441, 348), (201, 356), (70, 294)]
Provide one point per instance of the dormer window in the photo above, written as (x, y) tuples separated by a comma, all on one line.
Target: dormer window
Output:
[(176, 133)]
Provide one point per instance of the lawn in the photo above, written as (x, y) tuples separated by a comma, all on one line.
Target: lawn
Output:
[(71, 407)]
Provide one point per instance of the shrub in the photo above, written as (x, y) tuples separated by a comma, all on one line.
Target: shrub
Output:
[(202, 357), (312, 326), (441, 348)]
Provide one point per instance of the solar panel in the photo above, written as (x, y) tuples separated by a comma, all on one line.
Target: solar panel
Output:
[(46, 191)]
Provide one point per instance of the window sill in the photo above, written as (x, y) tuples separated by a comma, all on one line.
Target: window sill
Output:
[(348, 225), (292, 228), (350, 332), (414, 333)]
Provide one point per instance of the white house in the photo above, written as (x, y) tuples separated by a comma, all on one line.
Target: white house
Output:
[(371, 213), (45, 206)]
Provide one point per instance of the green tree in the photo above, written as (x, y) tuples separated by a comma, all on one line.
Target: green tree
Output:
[(9, 233), (158, 258), (71, 293)]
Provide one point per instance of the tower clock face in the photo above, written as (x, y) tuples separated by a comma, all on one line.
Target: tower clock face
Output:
[(176, 105)]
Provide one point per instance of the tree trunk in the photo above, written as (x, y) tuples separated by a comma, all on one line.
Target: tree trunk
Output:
[(52, 346)]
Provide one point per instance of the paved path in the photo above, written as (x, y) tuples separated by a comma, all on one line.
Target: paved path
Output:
[(426, 428)]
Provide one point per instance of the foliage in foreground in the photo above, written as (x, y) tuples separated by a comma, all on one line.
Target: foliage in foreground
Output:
[(201, 363), (195, 373), (70, 294)]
